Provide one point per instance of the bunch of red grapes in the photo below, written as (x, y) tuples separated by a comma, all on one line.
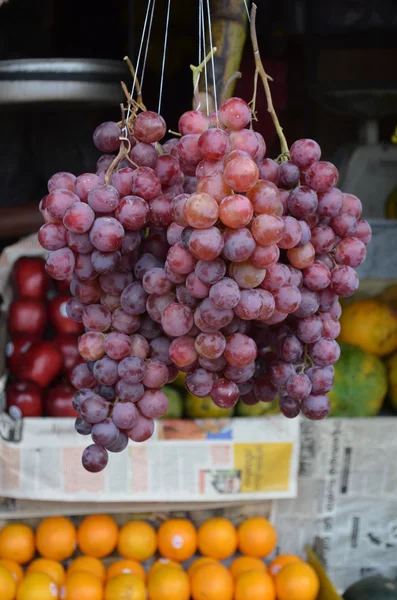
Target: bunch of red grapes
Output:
[(201, 256)]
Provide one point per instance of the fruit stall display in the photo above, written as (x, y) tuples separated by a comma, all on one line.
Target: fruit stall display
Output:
[(202, 255), (366, 372), (95, 559), (42, 344), (42, 351)]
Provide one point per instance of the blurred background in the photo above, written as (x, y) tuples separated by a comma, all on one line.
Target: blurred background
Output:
[(334, 66)]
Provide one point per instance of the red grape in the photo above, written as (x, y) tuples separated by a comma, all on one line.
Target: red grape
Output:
[(106, 137), (315, 407), (225, 393), (193, 121), (201, 211), (235, 211), (240, 350), (305, 152), (52, 236), (321, 176), (241, 174), (235, 114), (149, 127), (133, 213), (213, 144), (182, 351)]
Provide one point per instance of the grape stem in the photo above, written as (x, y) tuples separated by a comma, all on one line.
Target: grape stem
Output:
[(253, 101), (125, 147), (229, 82), (260, 70), (137, 84), (175, 133), (197, 72)]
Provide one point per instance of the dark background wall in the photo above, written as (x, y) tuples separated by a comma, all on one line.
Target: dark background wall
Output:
[(304, 44)]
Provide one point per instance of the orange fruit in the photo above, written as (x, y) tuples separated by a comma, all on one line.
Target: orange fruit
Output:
[(199, 562), (212, 582), (37, 586), (121, 567), (256, 537), (169, 583), (56, 538), (137, 540), (14, 568), (50, 567), (82, 585), (97, 535), (255, 585), (242, 564), (177, 539), (281, 561), (297, 581), (125, 587), (217, 538), (87, 564), (161, 562), (8, 584), (17, 543)]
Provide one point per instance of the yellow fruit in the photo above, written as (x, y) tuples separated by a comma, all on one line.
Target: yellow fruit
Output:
[(56, 538), (128, 566), (38, 586), (243, 564), (204, 408), (88, 564), (217, 538), (391, 365), (257, 410), (169, 583), (177, 539), (50, 567), (255, 585), (125, 587), (297, 581), (8, 584), (180, 380), (281, 561), (82, 585), (199, 562), (137, 541), (161, 562), (14, 568), (360, 384), (371, 325), (256, 537), (175, 402), (97, 535), (17, 543), (212, 582)]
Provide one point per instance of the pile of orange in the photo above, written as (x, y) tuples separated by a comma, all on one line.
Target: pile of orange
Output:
[(45, 564)]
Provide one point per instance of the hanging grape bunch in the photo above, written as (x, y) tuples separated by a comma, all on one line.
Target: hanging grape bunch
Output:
[(204, 256)]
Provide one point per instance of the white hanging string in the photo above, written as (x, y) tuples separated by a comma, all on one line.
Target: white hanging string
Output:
[(199, 55), (147, 45), (139, 57), (167, 23), (247, 11), (204, 56), (212, 61)]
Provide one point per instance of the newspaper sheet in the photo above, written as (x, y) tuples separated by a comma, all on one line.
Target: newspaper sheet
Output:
[(347, 497), (207, 460)]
